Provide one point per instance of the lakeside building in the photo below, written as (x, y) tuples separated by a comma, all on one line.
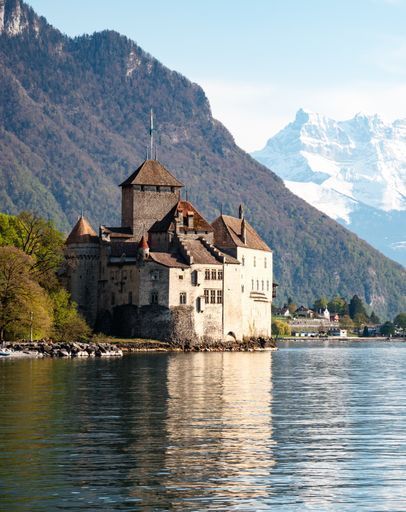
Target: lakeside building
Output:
[(166, 272)]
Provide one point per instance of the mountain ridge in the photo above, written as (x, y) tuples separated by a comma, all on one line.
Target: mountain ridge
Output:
[(349, 170), (73, 125)]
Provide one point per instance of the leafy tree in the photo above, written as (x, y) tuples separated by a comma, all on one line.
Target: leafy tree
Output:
[(280, 328), (68, 324), (320, 304), (292, 308), (357, 310), (374, 319), (400, 321), (346, 322), (23, 303), (388, 329), (338, 305)]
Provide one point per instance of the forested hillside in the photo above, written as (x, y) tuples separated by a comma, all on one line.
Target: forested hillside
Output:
[(73, 125)]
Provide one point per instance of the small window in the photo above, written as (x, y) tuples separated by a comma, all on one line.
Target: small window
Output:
[(207, 274), (155, 275), (214, 273), (267, 286), (263, 288), (255, 261), (193, 277), (252, 284), (206, 296), (243, 261), (242, 288), (219, 296), (130, 297), (212, 296), (182, 298), (153, 298), (220, 274), (180, 276), (257, 284), (265, 263), (113, 299)]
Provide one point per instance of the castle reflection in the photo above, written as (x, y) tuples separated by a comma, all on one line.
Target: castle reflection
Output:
[(219, 429)]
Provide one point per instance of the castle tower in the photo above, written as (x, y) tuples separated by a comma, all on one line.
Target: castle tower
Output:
[(82, 254), (147, 196)]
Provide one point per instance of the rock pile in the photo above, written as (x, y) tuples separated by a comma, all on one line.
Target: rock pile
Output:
[(46, 348)]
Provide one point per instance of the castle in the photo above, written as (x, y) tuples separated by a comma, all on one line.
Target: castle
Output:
[(167, 273)]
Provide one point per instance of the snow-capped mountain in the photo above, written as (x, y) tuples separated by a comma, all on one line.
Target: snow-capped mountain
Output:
[(354, 171)]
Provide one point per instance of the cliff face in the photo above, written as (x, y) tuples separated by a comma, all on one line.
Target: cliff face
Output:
[(73, 125)]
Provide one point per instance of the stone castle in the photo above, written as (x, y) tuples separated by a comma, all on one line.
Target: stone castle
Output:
[(166, 272)]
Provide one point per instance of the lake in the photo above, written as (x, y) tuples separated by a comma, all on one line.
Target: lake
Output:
[(312, 426)]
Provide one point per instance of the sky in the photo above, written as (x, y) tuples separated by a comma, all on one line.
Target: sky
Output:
[(259, 61)]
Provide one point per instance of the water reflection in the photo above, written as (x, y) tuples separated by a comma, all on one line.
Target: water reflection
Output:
[(306, 428), (219, 429)]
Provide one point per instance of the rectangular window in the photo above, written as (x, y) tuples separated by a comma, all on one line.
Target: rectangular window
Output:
[(242, 288), (212, 296), (193, 277), (265, 263), (207, 273), (252, 284), (180, 277), (206, 296), (255, 261), (214, 274), (267, 286), (219, 296), (257, 284), (153, 298), (243, 261), (182, 298), (262, 286), (220, 274), (130, 297)]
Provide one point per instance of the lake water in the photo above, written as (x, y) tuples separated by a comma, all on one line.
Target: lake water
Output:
[(309, 427)]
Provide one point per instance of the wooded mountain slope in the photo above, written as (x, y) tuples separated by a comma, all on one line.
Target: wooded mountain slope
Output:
[(74, 124)]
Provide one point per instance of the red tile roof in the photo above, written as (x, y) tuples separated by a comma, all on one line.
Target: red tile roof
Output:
[(152, 172), (168, 260), (227, 234), (185, 208), (82, 233)]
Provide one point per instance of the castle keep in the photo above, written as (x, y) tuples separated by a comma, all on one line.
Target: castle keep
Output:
[(167, 273)]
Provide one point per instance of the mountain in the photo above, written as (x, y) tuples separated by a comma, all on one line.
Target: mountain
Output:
[(354, 171), (73, 125)]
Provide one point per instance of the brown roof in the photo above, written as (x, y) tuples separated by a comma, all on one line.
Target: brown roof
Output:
[(82, 233), (116, 232), (227, 234), (185, 208), (200, 253), (152, 172), (168, 260)]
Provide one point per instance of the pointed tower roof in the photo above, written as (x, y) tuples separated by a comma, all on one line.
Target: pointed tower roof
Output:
[(143, 243), (82, 233), (152, 172)]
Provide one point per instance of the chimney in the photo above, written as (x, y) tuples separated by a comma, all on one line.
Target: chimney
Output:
[(190, 219), (241, 212), (243, 231)]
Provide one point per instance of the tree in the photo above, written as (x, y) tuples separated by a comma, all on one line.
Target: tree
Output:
[(357, 310), (23, 303), (280, 328), (38, 238), (320, 304), (388, 329), (374, 319), (292, 307), (400, 321), (338, 305), (68, 324), (346, 322)]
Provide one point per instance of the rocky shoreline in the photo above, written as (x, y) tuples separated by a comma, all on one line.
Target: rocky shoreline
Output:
[(61, 349), (49, 348)]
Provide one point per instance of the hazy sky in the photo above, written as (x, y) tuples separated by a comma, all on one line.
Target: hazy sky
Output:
[(259, 61)]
